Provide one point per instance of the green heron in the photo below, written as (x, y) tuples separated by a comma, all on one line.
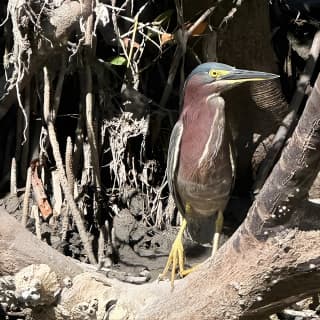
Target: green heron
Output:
[(200, 166)]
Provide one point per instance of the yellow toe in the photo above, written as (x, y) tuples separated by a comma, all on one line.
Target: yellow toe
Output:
[(176, 257)]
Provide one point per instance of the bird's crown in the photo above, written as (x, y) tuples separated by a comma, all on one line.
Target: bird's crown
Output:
[(212, 66)]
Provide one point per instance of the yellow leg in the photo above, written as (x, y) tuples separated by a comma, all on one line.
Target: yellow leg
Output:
[(218, 230), (176, 257)]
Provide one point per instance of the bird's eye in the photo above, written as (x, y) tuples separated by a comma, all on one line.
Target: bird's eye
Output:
[(213, 73)]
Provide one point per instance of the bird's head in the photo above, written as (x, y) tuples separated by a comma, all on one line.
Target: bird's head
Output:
[(218, 77)]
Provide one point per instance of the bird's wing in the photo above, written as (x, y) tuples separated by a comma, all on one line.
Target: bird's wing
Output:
[(172, 163), (233, 156)]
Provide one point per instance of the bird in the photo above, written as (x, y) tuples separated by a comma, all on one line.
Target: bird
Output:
[(200, 162)]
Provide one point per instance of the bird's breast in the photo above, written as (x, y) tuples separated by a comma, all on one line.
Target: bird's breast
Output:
[(205, 173), (204, 147)]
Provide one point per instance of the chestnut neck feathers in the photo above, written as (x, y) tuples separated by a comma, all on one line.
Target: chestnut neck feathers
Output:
[(198, 140)]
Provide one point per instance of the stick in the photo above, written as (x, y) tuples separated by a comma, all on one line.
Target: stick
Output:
[(25, 207)]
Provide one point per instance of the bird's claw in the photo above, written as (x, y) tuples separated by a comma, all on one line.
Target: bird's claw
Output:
[(175, 259)]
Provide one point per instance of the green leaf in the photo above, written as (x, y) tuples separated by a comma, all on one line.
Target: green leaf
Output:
[(118, 61)]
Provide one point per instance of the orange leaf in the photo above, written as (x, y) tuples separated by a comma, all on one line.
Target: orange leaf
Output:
[(200, 29), (166, 37), (39, 193)]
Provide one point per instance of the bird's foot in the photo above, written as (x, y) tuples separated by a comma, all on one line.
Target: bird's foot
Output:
[(176, 259)]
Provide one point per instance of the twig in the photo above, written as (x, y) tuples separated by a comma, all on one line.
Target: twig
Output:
[(142, 277), (149, 39), (157, 204), (43, 174), (303, 314), (62, 175), (19, 130), (120, 130), (69, 166), (26, 197), (57, 194), (203, 17), (65, 226), (70, 178), (141, 26), (13, 177), (135, 27), (101, 244), (288, 122), (35, 214), (25, 147), (117, 31), (89, 105), (86, 174), (90, 129), (230, 14)]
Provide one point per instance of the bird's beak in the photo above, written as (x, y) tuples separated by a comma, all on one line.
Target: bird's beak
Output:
[(239, 76)]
